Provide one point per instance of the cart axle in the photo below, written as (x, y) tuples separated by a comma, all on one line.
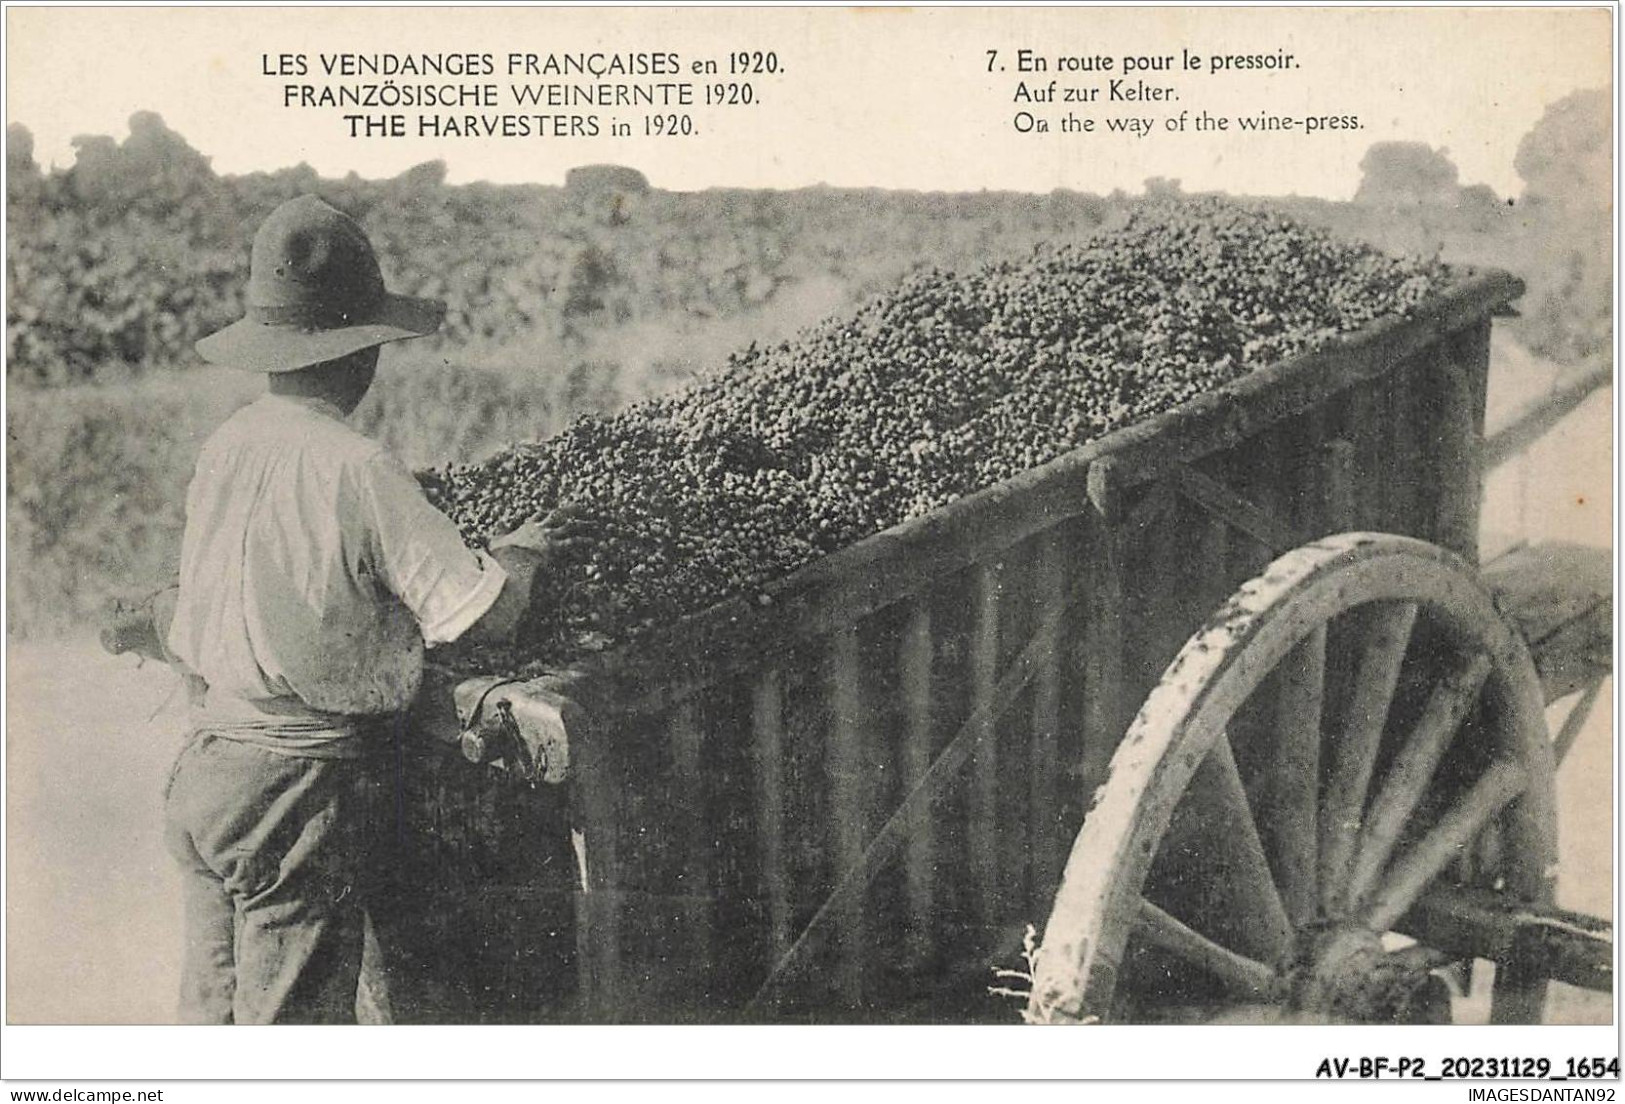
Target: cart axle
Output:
[(1541, 939)]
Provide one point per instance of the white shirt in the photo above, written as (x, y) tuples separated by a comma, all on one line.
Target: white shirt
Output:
[(313, 569)]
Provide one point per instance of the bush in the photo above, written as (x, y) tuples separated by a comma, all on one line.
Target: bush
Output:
[(128, 257), (429, 412), (1566, 162), (97, 483)]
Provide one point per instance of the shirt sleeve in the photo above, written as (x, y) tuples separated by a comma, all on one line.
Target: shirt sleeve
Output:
[(421, 557)]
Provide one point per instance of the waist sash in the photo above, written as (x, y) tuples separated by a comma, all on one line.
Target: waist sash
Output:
[(290, 727)]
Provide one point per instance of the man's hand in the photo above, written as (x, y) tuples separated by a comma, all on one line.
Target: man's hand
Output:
[(564, 533), (535, 547), (142, 627)]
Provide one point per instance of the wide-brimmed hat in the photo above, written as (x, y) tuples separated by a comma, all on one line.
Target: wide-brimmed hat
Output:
[(315, 293)]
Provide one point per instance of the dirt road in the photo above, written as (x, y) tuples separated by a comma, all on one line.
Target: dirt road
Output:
[(92, 900)]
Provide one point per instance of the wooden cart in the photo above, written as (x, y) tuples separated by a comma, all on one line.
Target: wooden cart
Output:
[(850, 797)]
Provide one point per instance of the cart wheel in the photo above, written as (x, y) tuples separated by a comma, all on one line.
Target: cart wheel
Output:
[(1353, 727)]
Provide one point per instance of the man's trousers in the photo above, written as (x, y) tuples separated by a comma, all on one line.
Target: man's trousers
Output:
[(274, 852)]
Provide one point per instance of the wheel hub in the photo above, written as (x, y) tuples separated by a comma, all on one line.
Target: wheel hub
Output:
[(1343, 972)]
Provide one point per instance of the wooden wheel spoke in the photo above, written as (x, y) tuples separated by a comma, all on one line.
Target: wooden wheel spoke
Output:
[(1290, 797), (1413, 768), (1241, 976), (1353, 745), (1499, 786), (1578, 714), (1225, 840), (1245, 890)]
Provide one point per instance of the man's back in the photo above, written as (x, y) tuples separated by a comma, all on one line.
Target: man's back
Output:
[(313, 570)]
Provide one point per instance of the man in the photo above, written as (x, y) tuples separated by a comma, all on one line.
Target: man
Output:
[(313, 575)]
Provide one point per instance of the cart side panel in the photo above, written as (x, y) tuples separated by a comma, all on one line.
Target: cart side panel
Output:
[(473, 903), (757, 794)]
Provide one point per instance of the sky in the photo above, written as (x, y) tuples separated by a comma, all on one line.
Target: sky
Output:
[(889, 97)]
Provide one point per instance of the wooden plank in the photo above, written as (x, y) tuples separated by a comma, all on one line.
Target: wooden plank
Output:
[(1264, 527), (917, 650), (1575, 656), (1366, 426), (1290, 728), (987, 871), (598, 912), (1167, 578), (1021, 617), (892, 837), (767, 730), (1410, 512), (848, 782), (1073, 736), (1479, 376), (1219, 579), (1555, 943), (1574, 723), (1105, 709), (809, 835), (1537, 419), (1560, 598), (1256, 474), (1222, 419), (1043, 803), (1519, 995), (698, 834), (1337, 494), (1457, 462), (1544, 587)]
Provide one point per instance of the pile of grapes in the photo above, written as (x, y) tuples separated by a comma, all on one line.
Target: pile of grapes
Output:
[(939, 389)]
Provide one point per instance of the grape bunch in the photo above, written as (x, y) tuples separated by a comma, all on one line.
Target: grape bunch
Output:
[(934, 391)]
